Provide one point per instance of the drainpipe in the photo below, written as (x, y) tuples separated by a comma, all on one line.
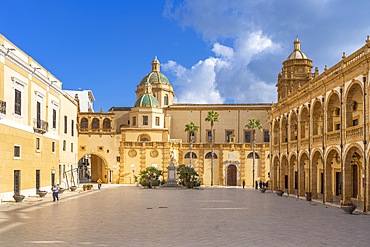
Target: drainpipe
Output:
[(365, 143)]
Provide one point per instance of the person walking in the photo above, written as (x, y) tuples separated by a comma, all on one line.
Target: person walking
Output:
[(55, 190), (256, 185), (243, 184), (99, 183)]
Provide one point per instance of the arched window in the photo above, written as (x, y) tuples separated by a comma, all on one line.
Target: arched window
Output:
[(144, 138), (106, 123), (193, 155), (95, 123), (209, 155), (166, 99), (250, 155), (84, 123)]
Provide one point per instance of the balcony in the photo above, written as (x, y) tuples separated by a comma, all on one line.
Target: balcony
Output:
[(2, 107), (40, 126), (333, 137), (354, 133)]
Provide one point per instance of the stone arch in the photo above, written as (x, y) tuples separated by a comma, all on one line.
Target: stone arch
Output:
[(144, 138), (352, 170), (93, 166), (316, 117), (193, 155), (293, 126), (107, 124), (84, 123), (276, 132), (303, 122), (209, 155), (284, 129), (316, 169), (275, 173), (95, 123), (354, 105), (250, 155), (333, 112), (292, 173), (332, 168), (303, 173), (283, 181)]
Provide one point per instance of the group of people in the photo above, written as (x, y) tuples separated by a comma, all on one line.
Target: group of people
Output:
[(55, 189), (262, 185)]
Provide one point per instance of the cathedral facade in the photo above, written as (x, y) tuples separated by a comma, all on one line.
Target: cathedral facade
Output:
[(118, 144)]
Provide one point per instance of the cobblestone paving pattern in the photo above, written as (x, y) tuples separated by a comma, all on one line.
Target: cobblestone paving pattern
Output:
[(131, 216)]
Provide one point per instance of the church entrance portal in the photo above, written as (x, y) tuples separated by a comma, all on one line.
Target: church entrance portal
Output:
[(231, 175)]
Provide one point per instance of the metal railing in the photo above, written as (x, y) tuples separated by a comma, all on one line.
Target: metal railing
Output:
[(40, 126)]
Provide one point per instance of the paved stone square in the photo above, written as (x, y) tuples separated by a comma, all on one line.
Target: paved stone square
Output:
[(131, 216)]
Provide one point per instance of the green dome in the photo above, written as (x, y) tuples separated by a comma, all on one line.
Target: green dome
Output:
[(146, 100), (154, 77)]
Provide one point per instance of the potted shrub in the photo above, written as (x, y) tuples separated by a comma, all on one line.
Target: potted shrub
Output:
[(61, 190), (136, 179), (41, 193), (263, 190), (89, 186), (84, 187), (18, 197), (348, 207), (73, 188), (279, 192)]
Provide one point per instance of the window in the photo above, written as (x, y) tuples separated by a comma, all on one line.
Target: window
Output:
[(65, 124), (156, 121), (191, 136), (247, 137), (118, 158), (37, 144), (133, 121), (17, 181), (229, 133), (18, 102), (53, 147), (250, 155), (95, 124), (209, 155), (209, 136), (72, 128), (355, 122), (106, 124), (17, 151), (145, 120), (54, 119), (72, 147), (337, 126), (38, 115), (84, 123), (266, 136), (193, 155), (166, 99), (64, 145)]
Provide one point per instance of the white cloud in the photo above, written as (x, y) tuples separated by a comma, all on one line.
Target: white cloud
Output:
[(224, 77)]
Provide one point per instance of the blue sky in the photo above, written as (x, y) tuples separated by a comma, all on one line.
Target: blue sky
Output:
[(213, 51)]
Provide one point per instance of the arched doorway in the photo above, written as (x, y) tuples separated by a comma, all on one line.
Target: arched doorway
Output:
[(231, 175), (91, 167)]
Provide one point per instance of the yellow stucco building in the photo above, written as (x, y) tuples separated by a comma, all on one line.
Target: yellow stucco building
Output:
[(38, 135), (320, 128), (125, 140)]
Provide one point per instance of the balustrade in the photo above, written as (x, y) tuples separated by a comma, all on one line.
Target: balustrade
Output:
[(2, 107), (354, 133)]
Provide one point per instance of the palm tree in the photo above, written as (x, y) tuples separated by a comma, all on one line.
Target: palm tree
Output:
[(254, 124), (191, 128), (212, 117)]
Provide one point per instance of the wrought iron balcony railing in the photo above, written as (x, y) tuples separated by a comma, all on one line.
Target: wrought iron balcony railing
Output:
[(40, 126)]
